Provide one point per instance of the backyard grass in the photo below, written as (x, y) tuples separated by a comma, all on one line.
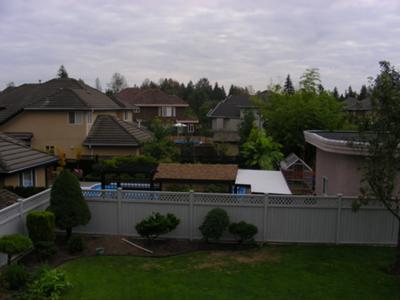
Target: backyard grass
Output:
[(275, 272)]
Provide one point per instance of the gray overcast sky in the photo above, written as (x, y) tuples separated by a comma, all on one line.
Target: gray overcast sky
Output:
[(239, 42)]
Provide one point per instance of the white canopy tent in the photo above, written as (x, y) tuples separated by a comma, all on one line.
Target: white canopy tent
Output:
[(261, 181)]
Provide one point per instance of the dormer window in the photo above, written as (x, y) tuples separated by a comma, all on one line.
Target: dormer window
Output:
[(126, 115), (75, 117)]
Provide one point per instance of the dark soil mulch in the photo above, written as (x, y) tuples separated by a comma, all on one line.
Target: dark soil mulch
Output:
[(113, 245)]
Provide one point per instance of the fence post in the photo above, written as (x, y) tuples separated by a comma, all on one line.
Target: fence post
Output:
[(119, 198), (338, 217), (265, 216), (21, 214), (191, 215)]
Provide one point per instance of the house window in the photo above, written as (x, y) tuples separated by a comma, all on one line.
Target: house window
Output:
[(126, 115), (28, 178), (167, 111), (325, 185), (50, 149), (75, 117), (190, 128), (136, 110), (90, 117)]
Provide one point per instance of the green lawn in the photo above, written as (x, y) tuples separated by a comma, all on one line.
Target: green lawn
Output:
[(281, 272)]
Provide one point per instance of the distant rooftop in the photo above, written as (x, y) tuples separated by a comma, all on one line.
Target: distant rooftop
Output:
[(263, 181), (230, 107), (149, 97), (55, 94), (353, 104)]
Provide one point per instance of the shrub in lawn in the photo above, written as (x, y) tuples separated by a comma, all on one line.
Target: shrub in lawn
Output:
[(14, 277), (214, 224), (67, 203), (243, 231), (76, 244), (41, 226), (14, 244), (49, 285), (45, 249), (157, 224)]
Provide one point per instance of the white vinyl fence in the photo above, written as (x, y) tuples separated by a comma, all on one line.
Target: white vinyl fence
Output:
[(303, 219)]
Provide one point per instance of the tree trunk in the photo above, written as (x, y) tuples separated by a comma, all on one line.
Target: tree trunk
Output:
[(69, 233), (9, 259)]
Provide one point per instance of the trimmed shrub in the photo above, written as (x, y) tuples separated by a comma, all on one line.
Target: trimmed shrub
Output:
[(49, 285), (76, 244), (214, 224), (14, 244), (14, 277), (41, 225), (243, 231), (157, 224), (45, 249), (216, 188), (67, 203)]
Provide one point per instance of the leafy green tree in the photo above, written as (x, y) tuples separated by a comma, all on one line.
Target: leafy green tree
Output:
[(382, 131), (288, 88), (289, 115), (67, 203), (62, 72), (310, 80), (14, 244), (260, 151), (246, 126)]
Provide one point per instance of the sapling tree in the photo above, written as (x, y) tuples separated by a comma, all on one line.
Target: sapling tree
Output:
[(67, 203), (381, 135)]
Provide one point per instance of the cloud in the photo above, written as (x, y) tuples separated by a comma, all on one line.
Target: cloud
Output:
[(245, 43)]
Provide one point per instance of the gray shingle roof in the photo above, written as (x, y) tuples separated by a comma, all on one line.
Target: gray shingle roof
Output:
[(290, 160), (146, 97), (345, 136), (56, 94), (107, 130), (353, 104), (15, 156), (230, 107)]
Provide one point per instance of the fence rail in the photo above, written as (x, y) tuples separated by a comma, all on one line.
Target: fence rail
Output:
[(279, 218)]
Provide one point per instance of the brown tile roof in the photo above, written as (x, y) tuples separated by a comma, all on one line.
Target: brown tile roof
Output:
[(7, 198), (216, 172), (55, 94), (16, 156), (149, 97), (108, 130)]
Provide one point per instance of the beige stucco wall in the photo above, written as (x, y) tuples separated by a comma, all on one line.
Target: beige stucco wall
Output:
[(53, 129), (40, 178), (343, 172)]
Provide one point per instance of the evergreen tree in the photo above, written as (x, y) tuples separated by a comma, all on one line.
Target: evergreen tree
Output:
[(363, 92), (350, 93), (288, 87), (335, 93), (62, 72), (67, 202), (98, 84), (321, 88)]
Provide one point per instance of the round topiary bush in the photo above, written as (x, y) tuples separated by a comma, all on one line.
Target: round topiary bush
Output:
[(214, 224), (157, 224), (41, 226), (14, 244), (243, 231), (14, 277), (76, 244)]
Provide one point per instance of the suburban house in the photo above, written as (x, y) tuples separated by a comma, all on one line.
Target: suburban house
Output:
[(261, 182), (152, 103), (197, 177), (226, 118), (357, 107), (298, 174), (69, 118), (338, 162), (22, 166)]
